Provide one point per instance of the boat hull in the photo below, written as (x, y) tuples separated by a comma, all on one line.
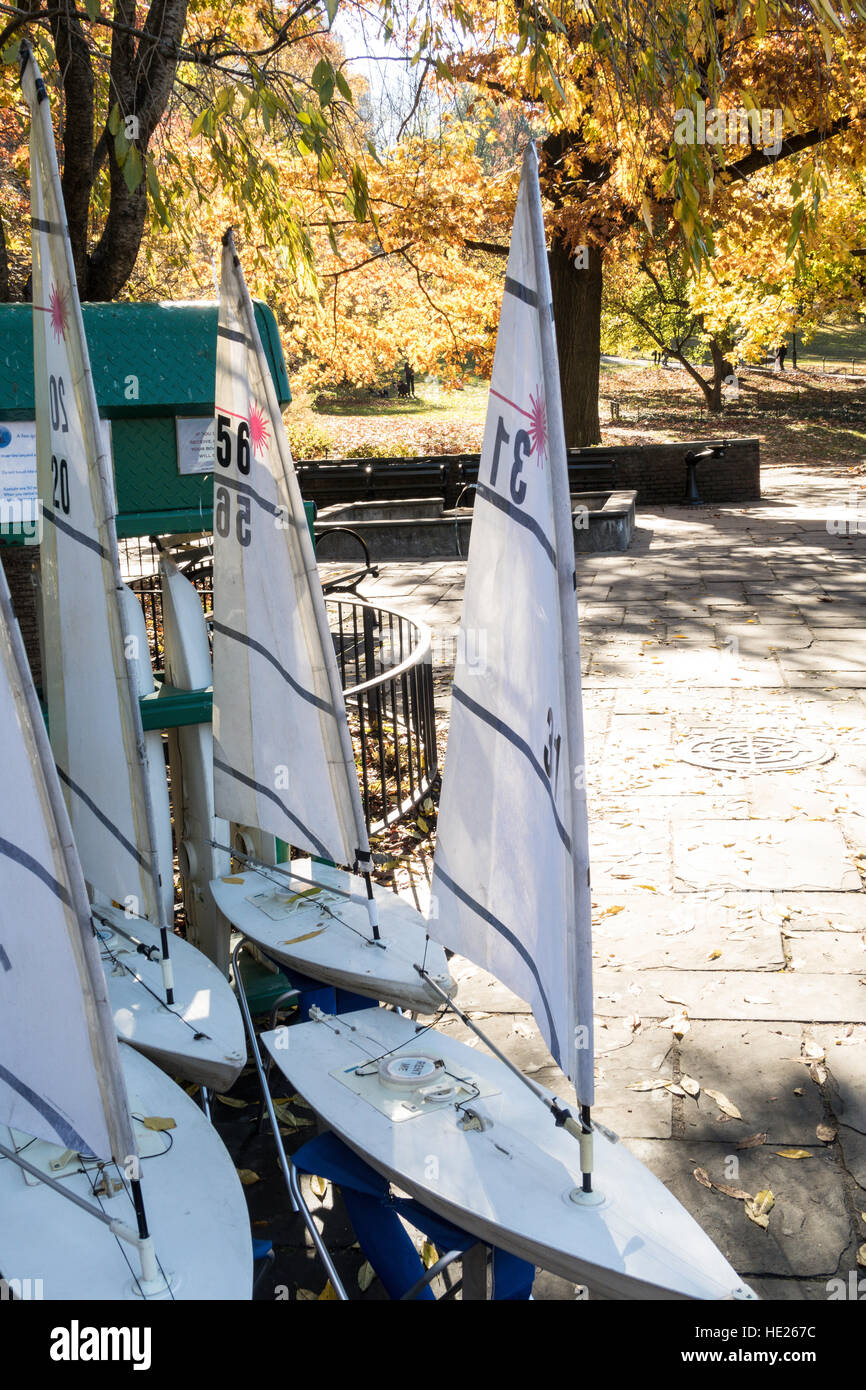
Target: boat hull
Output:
[(511, 1183), (201, 1037), (338, 953), (196, 1211)]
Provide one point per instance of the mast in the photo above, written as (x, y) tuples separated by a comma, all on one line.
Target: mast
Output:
[(579, 937), (362, 858), (53, 224)]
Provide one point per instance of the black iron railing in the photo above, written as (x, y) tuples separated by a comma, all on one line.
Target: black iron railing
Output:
[(386, 672)]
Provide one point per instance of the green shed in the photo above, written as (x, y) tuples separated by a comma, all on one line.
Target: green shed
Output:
[(154, 368)]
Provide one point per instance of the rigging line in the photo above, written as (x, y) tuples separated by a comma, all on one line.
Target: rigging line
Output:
[(371, 1059), (119, 1243), (578, 1129), (198, 1035), (122, 1175)]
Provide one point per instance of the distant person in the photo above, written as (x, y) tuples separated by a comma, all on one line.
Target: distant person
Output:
[(783, 352), (409, 378)]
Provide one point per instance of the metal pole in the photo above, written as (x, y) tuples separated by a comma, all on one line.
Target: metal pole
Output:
[(289, 1170)]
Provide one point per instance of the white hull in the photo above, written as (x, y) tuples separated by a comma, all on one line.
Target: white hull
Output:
[(338, 953), (196, 1211), (509, 1184), (201, 1037)]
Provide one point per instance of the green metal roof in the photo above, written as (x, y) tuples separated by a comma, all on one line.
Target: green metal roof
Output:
[(169, 347)]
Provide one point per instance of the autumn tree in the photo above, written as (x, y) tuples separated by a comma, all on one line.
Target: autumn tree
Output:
[(127, 78), (609, 81)]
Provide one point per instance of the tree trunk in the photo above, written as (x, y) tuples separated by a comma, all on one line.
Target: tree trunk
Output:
[(577, 314)]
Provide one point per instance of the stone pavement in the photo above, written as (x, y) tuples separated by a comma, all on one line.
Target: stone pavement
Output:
[(728, 905)]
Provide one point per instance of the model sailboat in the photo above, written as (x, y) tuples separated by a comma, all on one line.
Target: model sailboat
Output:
[(77, 1111), (169, 1001), (283, 760), (511, 890)]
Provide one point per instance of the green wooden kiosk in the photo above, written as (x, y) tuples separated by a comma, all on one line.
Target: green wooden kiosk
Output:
[(154, 367)]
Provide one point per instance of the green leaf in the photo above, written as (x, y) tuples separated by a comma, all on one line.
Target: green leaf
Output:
[(114, 119), (345, 89), (133, 171), (121, 147), (92, 8), (331, 7), (198, 123)]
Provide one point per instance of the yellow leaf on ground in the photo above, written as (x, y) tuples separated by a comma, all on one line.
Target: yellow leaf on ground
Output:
[(247, 1176), (158, 1123), (328, 1294), (366, 1275), (758, 1208), (429, 1254), (319, 1186), (702, 1176), (235, 1104), (861, 1256), (793, 1153), (726, 1106)]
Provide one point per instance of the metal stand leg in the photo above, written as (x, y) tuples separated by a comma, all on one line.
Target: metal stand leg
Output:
[(205, 1101), (475, 1274), (289, 1171)]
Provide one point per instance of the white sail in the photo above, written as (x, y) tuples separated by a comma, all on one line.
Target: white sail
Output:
[(60, 1077), (511, 873), (94, 719), (282, 750)]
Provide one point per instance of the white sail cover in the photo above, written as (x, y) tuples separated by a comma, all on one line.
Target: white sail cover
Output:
[(60, 1077), (282, 750), (93, 718), (510, 883)]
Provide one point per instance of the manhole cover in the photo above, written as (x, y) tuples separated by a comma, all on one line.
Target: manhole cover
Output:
[(744, 752)]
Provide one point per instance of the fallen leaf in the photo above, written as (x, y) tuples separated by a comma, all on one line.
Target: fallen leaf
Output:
[(861, 1256), (714, 955), (647, 1085), (792, 1153), (753, 1141), (690, 1086), (366, 1275), (158, 1123), (818, 1073), (235, 1104), (306, 1296), (319, 1185), (753, 999), (728, 1190), (826, 1133), (798, 1091), (328, 1294), (758, 1208), (702, 1176), (247, 1176), (429, 1254), (726, 1106), (612, 911)]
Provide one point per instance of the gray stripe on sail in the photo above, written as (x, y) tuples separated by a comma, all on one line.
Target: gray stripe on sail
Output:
[(257, 647), (74, 534), (109, 825), (235, 335), (278, 801), (502, 728), (4, 960), (20, 856), (523, 292), (62, 1128), (271, 507), (40, 225), (522, 518), (507, 935)]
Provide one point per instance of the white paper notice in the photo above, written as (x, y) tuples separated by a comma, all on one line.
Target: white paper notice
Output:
[(195, 444)]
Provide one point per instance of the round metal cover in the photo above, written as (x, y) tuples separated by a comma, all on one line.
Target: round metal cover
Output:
[(736, 751)]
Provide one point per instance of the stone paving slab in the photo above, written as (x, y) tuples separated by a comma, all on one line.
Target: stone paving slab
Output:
[(683, 933), (791, 855), (758, 1069), (808, 1229), (731, 994)]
